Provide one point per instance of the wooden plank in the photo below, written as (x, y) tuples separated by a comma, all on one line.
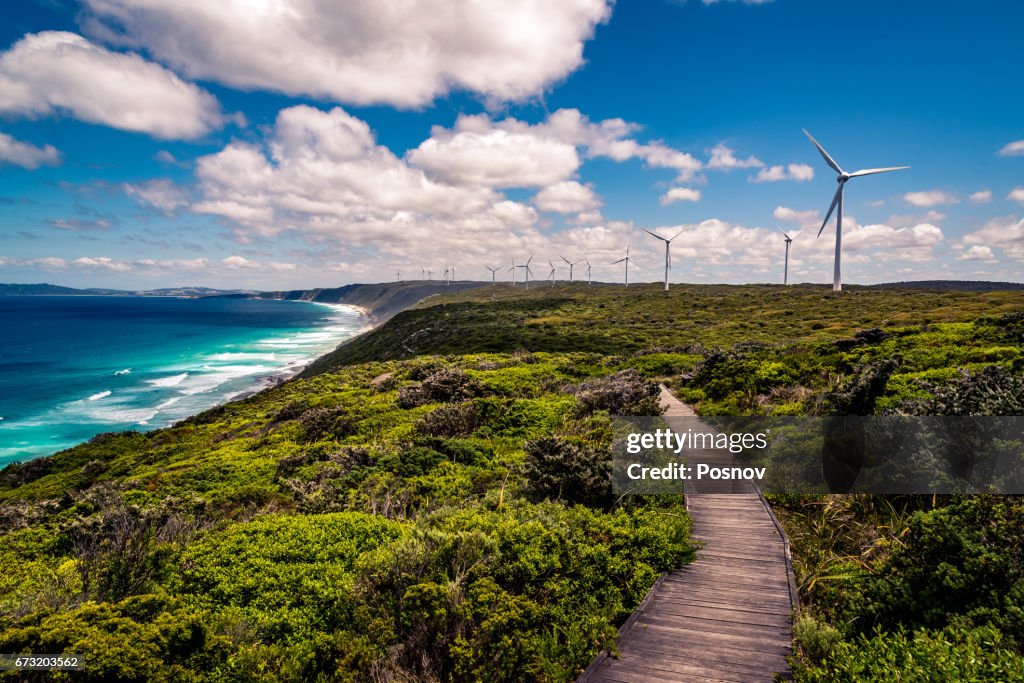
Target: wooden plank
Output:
[(727, 617)]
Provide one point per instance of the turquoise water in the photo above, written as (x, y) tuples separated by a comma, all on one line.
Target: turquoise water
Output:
[(73, 367)]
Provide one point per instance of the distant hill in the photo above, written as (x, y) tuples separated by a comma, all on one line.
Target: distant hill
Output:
[(953, 285), (46, 289), (381, 300)]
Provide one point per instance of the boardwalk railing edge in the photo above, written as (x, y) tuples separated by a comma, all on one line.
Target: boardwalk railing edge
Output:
[(794, 596), (623, 630)]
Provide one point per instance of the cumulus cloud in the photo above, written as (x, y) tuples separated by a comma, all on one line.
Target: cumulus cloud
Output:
[(772, 174), (362, 51), (567, 197), (1016, 194), (1012, 149), (784, 213), (978, 252), (496, 158), (161, 194), (724, 159), (680, 194), (982, 197), (930, 198), (56, 72), (1004, 233), (26, 155)]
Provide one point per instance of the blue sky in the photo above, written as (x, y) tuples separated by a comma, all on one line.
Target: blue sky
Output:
[(290, 143)]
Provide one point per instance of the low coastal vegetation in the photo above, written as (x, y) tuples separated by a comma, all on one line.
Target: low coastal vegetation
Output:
[(431, 501)]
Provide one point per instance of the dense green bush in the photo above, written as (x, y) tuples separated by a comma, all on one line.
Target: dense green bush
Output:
[(556, 469)]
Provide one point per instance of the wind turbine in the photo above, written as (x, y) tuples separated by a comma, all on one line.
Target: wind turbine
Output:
[(493, 271), (668, 254), (445, 274), (429, 273), (526, 271), (625, 259), (551, 275), (398, 276), (512, 269), (572, 264), (837, 200), (423, 273), (785, 272), (588, 272)]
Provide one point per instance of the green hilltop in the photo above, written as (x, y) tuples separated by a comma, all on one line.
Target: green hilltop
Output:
[(431, 501)]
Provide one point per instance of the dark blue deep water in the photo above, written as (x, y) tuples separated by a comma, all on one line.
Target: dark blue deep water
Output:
[(74, 366)]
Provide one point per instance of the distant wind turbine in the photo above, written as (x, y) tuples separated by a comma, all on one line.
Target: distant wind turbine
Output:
[(429, 273), (785, 272), (668, 254), (589, 282), (423, 273), (572, 264), (625, 260), (398, 276), (493, 271), (526, 271), (837, 200), (551, 275), (445, 274)]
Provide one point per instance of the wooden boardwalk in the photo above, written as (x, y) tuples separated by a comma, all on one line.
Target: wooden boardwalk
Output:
[(728, 615)]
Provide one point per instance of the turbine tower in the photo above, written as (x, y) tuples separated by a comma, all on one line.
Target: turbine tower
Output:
[(785, 272), (423, 273), (625, 260), (429, 273), (493, 271), (398, 276), (551, 275), (589, 282), (837, 201), (512, 269), (668, 254), (447, 282)]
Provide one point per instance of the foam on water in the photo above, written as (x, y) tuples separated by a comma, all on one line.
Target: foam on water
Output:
[(160, 395)]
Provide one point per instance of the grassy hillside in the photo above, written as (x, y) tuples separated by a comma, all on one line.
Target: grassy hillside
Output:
[(430, 502)]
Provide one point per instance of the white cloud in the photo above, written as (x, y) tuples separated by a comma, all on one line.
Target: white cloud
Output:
[(978, 252), (1012, 149), (162, 194), (322, 175), (496, 158), (982, 197), (567, 197), (724, 159), (26, 155), (930, 198), (680, 194), (59, 72), (361, 51), (1003, 233), (101, 263), (771, 174), (1016, 194), (784, 213)]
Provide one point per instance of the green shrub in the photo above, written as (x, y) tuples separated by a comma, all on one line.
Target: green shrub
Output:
[(556, 469)]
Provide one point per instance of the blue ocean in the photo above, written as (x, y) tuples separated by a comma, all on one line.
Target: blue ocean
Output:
[(75, 366)]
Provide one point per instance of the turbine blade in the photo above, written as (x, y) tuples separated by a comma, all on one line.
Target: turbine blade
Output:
[(835, 200), (869, 171), (528, 260), (653, 234), (619, 261), (677, 235), (824, 155)]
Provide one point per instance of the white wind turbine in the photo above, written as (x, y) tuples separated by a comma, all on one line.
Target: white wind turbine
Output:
[(837, 200), (572, 264), (668, 253), (589, 282), (551, 275), (512, 269), (445, 274), (785, 272), (398, 276), (429, 273), (423, 273), (625, 260), (493, 271), (526, 271)]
